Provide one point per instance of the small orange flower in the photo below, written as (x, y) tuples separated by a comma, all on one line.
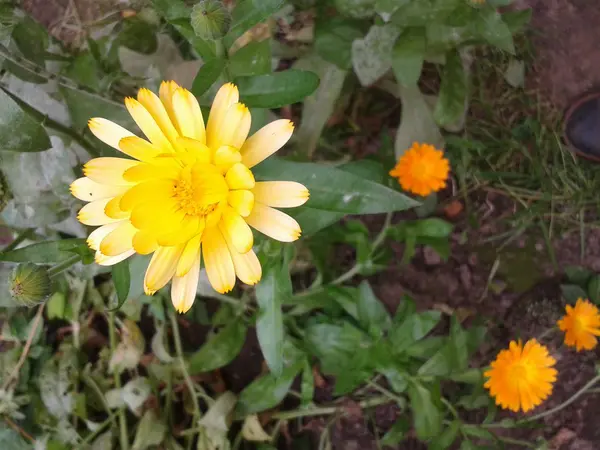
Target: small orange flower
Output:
[(581, 325), (521, 377), (422, 170)]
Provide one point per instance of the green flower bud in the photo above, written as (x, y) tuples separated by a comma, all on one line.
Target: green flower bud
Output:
[(210, 19), (30, 284)]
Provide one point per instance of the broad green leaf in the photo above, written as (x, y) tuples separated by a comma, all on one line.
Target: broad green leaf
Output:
[(427, 417), (423, 12), (572, 292), (490, 26), (122, 279), (207, 75), (136, 392), (48, 252), (372, 315), (150, 431), (210, 19), (397, 433), (335, 190), (408, 56), (220, 350), (452, 99), (319, 106), (516, 20), (433, 227), (446, 438), (452, 357), (56, 384), (276, 89), (385, 8), (138, 35), (252, 59), (269, 322), (414, 328), (31, 39), (248, 13), (334, 37), (85, 71), (356, 8), (417, 123), (312, 220), (19, 132), (593, 290), (372, 56), (267, 391)]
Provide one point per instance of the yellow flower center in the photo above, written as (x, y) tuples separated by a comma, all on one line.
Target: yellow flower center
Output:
[(200, 189)]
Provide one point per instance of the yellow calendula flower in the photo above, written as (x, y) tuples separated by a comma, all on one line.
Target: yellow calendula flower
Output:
[(422, 170), (521, 377), (581, 325), (188, 192)]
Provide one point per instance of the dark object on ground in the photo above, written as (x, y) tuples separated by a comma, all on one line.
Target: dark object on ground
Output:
[(582, 127)]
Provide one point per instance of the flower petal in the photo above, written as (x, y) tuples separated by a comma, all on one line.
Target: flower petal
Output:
[(154, 106), (227, 95), (161, 268), (96, 236), (234, 127), (189, 227), (242, 201), (119, 240), (109, 170), (166, 91), (108, 132), (197, 148), (113, 209), (183, 289), (104, 260), (88, 190), (190, 252), (93, 213), (247, 266), (274, 223), (148, 125), (266, 141), (280, 194), (139, 148), (236, 230), (239, 177), (189, 115), (148, 191), (226, 156), (218, 262), (144, 242)]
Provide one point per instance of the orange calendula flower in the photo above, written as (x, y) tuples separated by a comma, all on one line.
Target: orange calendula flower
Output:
[(422, 170), (187, 192), (581, 325), (521, 377)]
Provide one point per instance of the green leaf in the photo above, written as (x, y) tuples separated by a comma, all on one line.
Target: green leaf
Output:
[(207, 75), (150, 431), (593, 290), (408, 56), (335, 190), (122, 279), (397, 433), (277, 89), (372, 56), (427, 416), (269, 322), (451, 103), (372, 315), (414, 328), (48, 252), (10, 439), (417, 123), (356, 8), (84, 70), (334, 37), (248, 13), (490, 26), (452, 357), (267, 391), (433, 227), (446, 438), (19, 132), (138, 35), (31, 39), (210, 19), (572, 292), (252, 59), (307, 386), (423, 12), (516, 20), (220, 349)]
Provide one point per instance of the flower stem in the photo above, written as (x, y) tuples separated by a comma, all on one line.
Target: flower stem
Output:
[(112, 335), (61, 267), (25, 234), (328, 410)]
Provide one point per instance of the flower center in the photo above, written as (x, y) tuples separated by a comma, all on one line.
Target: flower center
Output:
[(200, 189)]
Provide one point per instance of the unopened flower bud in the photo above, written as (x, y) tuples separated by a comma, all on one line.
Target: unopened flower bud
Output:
[(30, 284)]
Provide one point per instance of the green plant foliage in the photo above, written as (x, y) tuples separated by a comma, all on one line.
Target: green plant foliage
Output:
[(277, 89)]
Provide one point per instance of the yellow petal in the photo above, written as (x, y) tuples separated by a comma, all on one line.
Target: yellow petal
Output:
[(161, 268), (108, 170), (147, 124), (225, 157), (144, 242), (239, 177), (104, 260), (218, 262), (226, 96), (280, 194), (157, 218), (236, 230), (266, 141), (119, 240), (247, 266), (166, 91), (189, 255), (274, 223), (139, 148), (234, 127), (108, 132), (189, 115), (88, 190), (242, 201), (96, 236), (197, 148), (154, 106), (148, 191), (113, 209), (93, 213), (189, 227), (149, 171), (184, 288)]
